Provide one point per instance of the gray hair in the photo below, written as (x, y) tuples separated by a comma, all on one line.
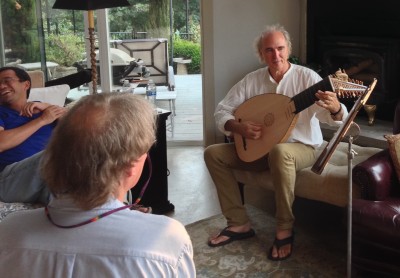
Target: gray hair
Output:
[(94, 143), (268, 30)]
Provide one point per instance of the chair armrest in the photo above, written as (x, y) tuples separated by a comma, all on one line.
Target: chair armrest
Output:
[(73, 80), (375, 176)]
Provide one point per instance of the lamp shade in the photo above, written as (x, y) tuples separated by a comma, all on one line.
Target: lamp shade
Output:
[(87, 5)]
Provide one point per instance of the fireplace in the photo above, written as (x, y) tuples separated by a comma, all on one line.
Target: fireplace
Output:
[(364, 59), (365, 46)]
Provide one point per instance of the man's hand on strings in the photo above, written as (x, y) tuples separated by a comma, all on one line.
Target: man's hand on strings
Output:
[(328, 100), (250, 130)]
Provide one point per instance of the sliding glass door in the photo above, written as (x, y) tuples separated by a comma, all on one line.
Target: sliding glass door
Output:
[(36, 37)]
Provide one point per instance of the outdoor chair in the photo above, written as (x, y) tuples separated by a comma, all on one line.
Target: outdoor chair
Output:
[(154, 53)]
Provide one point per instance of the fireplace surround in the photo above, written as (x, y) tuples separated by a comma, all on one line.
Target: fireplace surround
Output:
[(361, 38)]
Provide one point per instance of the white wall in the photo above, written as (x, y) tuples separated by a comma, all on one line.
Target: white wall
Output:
[(228, 31)]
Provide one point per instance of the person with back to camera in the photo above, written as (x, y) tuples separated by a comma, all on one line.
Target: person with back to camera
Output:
[(96, 154), (285, 159), (25, 129)]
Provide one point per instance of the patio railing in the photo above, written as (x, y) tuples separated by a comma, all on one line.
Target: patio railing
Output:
[(141, 35), (128, 35)]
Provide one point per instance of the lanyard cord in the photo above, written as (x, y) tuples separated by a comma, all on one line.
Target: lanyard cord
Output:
[(148, 159), (98, 217), (94, 219)]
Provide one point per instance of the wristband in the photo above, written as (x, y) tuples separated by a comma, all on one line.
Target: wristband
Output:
[(334, 114)]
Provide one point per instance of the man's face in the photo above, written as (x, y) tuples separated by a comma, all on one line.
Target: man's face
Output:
[(11, 88), (275, 51)]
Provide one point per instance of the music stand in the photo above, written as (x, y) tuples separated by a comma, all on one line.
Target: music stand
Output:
[(326, 154)]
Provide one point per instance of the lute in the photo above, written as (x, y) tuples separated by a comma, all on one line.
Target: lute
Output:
[(278, 113)]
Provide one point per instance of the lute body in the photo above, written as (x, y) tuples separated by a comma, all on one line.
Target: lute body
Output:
[(278, 115)]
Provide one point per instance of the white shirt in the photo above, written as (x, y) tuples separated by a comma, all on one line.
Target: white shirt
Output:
[(124, 244), (297, 79)]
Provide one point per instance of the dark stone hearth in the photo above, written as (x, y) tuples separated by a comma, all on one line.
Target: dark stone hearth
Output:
[(362, 38)]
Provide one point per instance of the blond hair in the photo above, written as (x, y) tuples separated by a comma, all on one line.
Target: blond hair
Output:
[(94, 143)]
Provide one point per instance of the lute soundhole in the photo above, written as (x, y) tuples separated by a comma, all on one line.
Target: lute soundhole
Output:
[(269, 119)]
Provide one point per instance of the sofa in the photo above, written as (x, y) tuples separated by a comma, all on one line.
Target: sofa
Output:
[(55, 92), (376, 214), (330, 187)]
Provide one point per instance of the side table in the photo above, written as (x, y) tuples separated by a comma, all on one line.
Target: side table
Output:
[(156, 194)]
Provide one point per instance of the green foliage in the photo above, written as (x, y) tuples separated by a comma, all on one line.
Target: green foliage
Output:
[(21, 35), (64, 49), (196, 32), (179, 7), (188, 50), (296, 60), (20, 32), (127, 19)]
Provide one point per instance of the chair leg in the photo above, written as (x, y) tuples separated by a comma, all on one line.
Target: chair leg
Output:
[(173, 107)]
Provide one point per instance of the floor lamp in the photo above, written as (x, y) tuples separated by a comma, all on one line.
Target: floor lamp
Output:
[(350, 129), (90, 6)]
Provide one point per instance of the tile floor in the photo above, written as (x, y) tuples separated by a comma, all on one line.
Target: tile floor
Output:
[(190, 188)]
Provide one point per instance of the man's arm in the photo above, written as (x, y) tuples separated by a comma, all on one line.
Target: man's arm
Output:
[(13, 137)]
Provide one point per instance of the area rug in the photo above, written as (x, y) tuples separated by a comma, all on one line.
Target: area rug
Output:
[(7, 208), (314, 255)]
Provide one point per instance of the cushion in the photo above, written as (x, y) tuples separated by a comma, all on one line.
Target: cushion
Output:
[(55, 95), (37, 78), (394, 150), (330, 187)]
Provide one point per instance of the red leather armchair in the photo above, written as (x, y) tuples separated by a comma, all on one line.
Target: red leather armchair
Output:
[(376, 217)]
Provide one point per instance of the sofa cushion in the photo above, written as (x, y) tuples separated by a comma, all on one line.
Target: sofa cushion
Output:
[(55, 95), (394, 150), (329, 187), (37, 78)]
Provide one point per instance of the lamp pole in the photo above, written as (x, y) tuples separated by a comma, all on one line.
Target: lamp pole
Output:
[(2, 50), (187, 19), (92, 50)]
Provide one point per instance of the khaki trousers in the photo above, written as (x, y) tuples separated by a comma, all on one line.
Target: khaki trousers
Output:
[(284, 160)]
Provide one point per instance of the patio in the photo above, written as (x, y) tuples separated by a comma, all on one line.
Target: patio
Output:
[(188, 121)]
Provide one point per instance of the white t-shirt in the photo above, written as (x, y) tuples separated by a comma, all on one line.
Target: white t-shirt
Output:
[(297, 79)]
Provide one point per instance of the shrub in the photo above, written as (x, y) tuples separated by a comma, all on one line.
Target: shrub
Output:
[(65, 49), (188, 50)]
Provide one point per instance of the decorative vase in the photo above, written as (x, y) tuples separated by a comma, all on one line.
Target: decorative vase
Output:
[(370, 109)]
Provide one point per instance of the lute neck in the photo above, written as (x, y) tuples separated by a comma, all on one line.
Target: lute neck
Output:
[(307, 97)]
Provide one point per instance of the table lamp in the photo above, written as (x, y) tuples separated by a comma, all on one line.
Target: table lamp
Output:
[(90, 6)]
